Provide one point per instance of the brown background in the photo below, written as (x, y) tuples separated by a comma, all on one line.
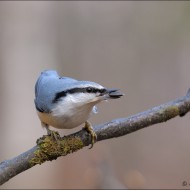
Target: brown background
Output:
[(142, 48)]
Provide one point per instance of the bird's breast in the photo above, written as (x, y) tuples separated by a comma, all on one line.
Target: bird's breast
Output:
[(66, 117)]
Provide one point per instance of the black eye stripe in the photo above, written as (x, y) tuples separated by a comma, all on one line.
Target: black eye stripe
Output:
[(58, 96), (77, 90)]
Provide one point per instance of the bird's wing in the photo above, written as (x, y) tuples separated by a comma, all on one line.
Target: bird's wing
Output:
[(44, 90), (47, 86)]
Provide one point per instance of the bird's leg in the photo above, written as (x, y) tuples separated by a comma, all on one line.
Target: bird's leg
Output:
[(48, 130), (88, 127), (54, 134)]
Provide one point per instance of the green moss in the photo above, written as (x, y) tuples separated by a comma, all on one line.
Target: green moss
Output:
[(50, 149), (169, 112)]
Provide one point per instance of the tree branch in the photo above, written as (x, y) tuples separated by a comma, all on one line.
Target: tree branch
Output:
[(48, 149)]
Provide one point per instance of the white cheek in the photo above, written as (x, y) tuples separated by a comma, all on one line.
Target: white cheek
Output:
[(69, 104), (83, 98), (64, 106)]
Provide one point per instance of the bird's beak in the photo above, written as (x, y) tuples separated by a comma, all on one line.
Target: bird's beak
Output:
[(113, 93)]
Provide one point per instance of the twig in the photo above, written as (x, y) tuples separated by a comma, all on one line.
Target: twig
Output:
[(48, 149)]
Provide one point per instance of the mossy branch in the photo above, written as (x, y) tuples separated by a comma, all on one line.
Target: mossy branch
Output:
[(48, 149)]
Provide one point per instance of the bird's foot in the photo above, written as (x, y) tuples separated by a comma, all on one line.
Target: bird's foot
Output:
[(88, 127), (53, 134)]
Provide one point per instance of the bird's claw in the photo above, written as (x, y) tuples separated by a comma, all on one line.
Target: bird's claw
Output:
[(54, 135), (88, 127)]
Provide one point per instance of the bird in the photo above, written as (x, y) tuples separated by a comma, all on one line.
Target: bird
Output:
[(65, 103)]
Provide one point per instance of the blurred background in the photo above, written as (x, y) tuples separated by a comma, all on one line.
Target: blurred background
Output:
[(143, 48)]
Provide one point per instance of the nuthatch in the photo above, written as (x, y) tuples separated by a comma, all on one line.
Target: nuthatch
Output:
[(65, 103)]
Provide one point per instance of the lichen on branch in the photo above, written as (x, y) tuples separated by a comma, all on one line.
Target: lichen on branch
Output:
[(50, 149)]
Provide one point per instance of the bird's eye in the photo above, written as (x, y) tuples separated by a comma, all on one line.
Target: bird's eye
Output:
[(89, 89)]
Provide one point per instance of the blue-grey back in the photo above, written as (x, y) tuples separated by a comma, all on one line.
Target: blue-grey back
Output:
[(49, 84)]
